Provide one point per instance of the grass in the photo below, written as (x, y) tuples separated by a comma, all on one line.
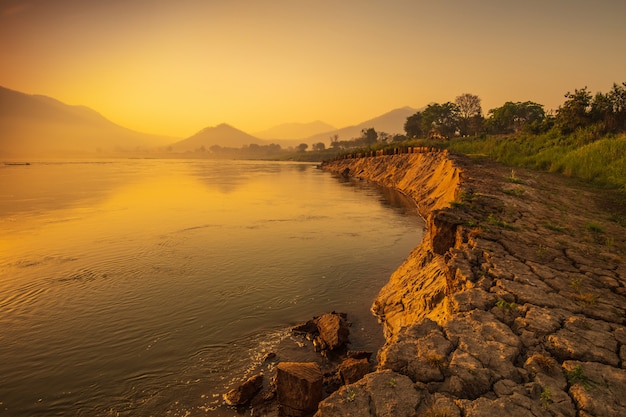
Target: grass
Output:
[(546, 363), (436, 361), (577, 376), (546, 397), (493, 220), (350, 394), (515, 192), (554, 227), (514, 179), (506, 305), (588, 299), (594, 228), (583, 154)]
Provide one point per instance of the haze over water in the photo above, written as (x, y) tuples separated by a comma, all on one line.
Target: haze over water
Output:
[(145, 287)]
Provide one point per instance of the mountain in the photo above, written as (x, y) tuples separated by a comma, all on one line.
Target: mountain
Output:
[(223, 135), (391, 122), (295, 131), (33, 125)]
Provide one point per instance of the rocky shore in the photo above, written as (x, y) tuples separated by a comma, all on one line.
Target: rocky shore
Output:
[(514, 303)]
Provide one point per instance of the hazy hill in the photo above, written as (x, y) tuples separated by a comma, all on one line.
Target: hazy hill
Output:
[(295, 130), (33, 125), (223, 135), (391, 122)]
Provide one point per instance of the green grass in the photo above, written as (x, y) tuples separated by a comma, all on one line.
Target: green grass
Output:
[(577, 376), (583, 155)]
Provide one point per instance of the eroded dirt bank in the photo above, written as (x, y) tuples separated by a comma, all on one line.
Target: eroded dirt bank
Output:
[(514, 303)]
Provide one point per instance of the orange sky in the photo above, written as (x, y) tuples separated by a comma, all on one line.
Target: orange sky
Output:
[(175, 67)]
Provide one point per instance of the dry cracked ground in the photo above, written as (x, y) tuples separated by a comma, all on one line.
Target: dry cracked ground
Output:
[(535, 307)]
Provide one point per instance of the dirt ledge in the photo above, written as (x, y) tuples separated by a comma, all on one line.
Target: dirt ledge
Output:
[(513, 304)]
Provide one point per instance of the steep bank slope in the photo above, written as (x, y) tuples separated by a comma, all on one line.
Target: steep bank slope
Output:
[(514, 303)]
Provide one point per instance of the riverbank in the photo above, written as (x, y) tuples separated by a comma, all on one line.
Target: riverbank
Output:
[(514, 302)]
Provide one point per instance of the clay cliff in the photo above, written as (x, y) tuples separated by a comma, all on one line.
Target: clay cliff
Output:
[(513, 304)]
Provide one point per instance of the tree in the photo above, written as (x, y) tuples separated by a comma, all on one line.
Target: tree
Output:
[(469, 109), (370, 136), (514, 117), (575, 112), (302, 147), (413, 126), (617, 96), (440, 119), (319, 146), (334, 141), (384, 137)]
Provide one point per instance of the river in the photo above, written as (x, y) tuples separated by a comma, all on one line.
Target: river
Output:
[(148, 287)]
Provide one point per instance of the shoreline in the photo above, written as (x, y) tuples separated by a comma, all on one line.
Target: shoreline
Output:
[(514, 302)]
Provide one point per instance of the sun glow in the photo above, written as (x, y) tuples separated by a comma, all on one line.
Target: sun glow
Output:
[(176, 67)]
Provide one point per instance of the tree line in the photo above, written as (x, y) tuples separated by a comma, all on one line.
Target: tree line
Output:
[(606, 112)]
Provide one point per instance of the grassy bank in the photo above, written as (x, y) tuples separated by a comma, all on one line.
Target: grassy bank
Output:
[(601, 161)]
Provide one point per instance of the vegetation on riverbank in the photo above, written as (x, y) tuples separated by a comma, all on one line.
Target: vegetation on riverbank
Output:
[(585, 138)]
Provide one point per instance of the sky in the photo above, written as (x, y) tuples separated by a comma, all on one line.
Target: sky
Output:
[(175, 67)]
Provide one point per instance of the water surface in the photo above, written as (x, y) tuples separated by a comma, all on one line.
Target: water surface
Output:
[(146, 287)]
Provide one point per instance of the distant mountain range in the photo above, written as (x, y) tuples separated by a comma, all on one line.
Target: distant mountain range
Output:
[(222, 135), (391, 122), (37, 125), (295, 131), (32, 125)]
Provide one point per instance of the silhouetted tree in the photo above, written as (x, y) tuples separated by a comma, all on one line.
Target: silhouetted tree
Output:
[(575, 112), (469, 110), (513, 117), (370, 136), (440, 119), (617, 118), (413, 126), (302, 147), (319, 146)]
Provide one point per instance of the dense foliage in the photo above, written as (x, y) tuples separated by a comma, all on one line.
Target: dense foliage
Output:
[(585, 138)]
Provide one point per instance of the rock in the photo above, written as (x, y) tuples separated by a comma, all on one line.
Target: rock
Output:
[(443, 226), (597, 389), (584, 339), (501, 291), (471, 299), (351, 370), (421, 352), (308, 328), (488, 342), (299, 387), (244, 393), (516, 405), (333, 330), (380, 394), (541, 320), (359, 354)]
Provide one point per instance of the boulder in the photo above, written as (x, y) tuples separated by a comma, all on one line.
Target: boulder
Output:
[(597, 389), (299, 387), (244, 393), (381, 394), (333, 330), (351, 370)]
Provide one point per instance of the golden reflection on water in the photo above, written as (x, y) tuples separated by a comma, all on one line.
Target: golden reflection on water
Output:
[(132, 268), (171, 201)]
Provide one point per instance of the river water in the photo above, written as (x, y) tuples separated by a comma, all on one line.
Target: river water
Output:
[(149, 287)]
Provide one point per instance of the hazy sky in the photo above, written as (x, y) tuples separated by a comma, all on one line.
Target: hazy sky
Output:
[(177, 66)]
